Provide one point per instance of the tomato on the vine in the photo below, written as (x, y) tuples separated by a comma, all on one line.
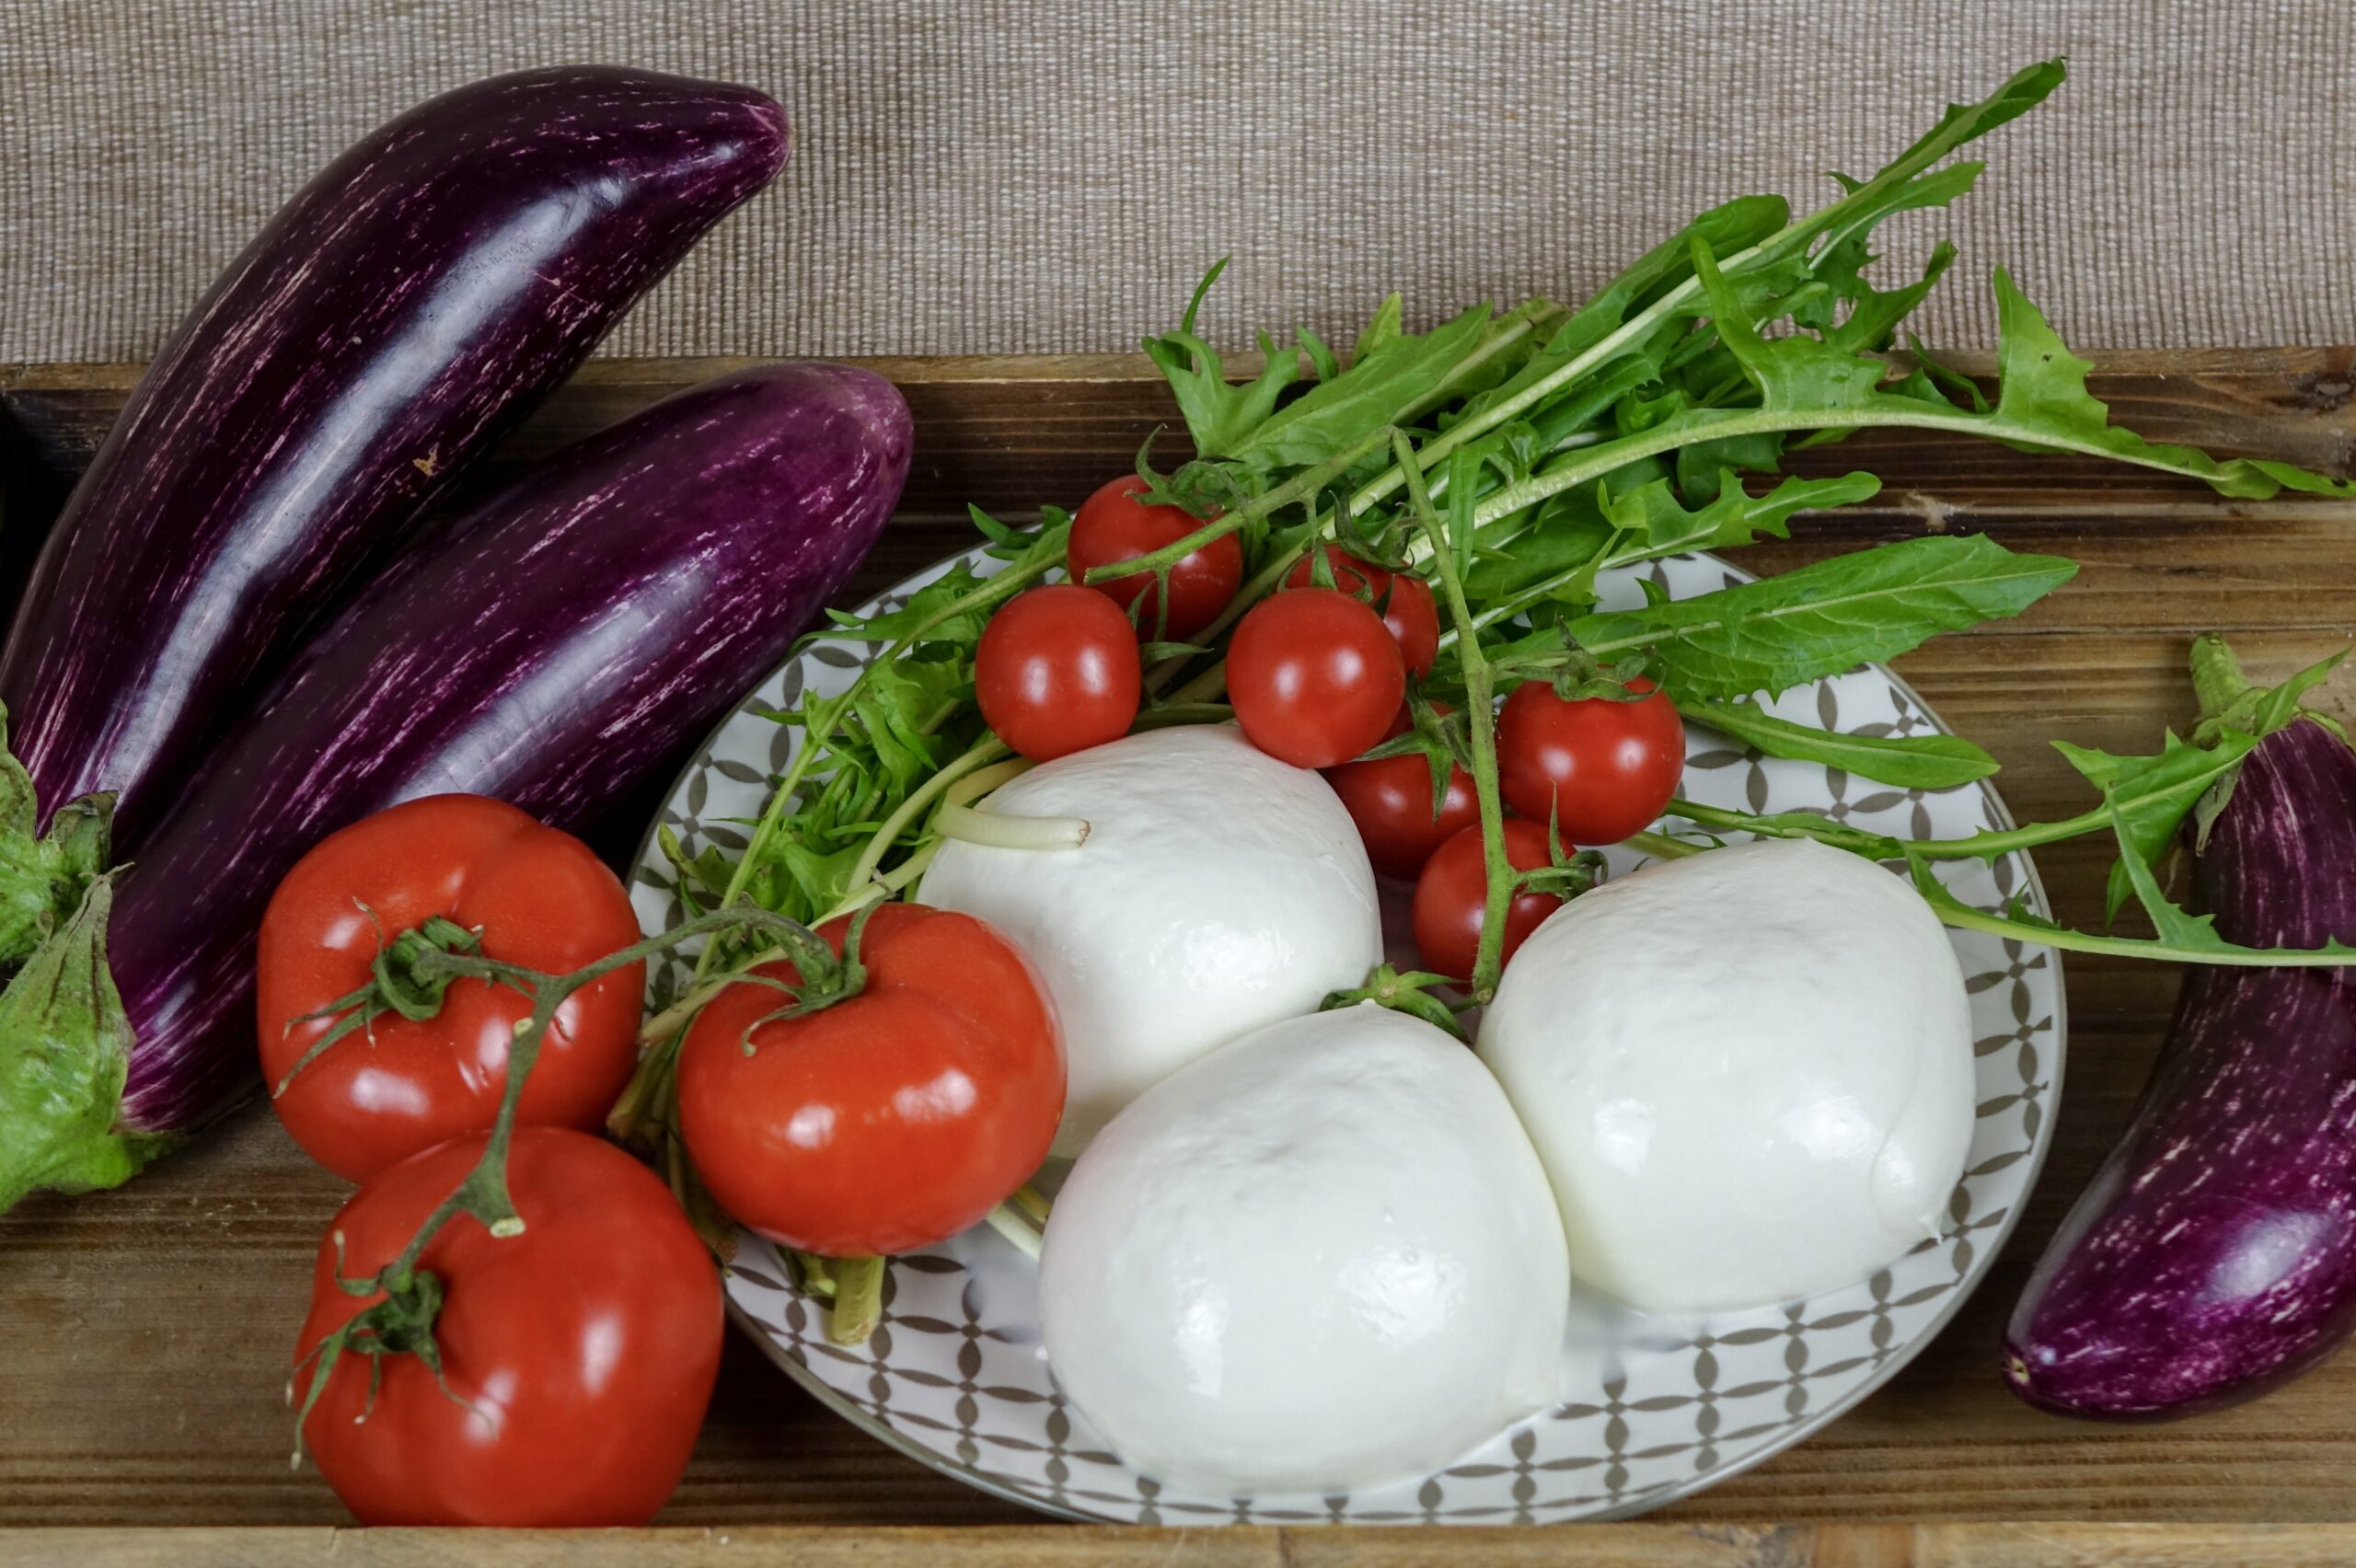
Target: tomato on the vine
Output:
[(1402, 599), (890, 1120), (1115, 525), (578, 1354), (1056, 671), (1451, 897), (1604, 770), (532, 895), (1390, 801), (1314, 676)]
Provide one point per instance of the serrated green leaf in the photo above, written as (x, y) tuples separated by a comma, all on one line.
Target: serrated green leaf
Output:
[(1907, 762), (2150, 797), (1382, 328), (1734, 518), (1322, 360), (2184, 939), (2043, 394), (1220, 418), (1826, 618), (1797, 372), (1377, 390)]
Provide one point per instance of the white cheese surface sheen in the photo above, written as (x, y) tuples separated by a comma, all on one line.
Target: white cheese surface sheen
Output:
[(1322, 1258), (1749, 1073), (1220, 890)]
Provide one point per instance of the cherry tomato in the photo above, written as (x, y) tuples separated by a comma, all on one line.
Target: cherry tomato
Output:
[(1402, 599), (1056, 671), (538, 897), (889, 1120), (1451, 897), (579, 1353), (1115, 525), (1606, 769), (1314, 676), (1391, 799)]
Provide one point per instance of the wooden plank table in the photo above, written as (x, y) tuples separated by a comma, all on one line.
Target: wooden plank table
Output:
[(147, 1331)]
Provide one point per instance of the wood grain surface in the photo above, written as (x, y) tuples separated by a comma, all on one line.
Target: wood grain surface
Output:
[(145, 1333), (2008, 1545)]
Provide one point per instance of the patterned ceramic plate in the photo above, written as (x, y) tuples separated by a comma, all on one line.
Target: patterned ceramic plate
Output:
[(1651, 1409)]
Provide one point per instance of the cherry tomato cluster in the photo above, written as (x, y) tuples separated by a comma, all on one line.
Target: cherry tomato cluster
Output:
[(573, 1361), (1597, 768), (1317, 674)]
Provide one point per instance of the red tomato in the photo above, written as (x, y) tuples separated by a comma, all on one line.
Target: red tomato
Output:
[(1606, 769), (585, 1345), (1451, 898), (1114, 526), (1390, 801), (1403, 599), (1314, 676), (539, 898), (1056, 671), (890, 1120)]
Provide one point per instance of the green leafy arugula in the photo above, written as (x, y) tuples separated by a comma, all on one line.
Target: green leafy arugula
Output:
[(1378, 389), (1907, 762), (2148, 799), (1218, 415), (1563, 443), (1825, 618)]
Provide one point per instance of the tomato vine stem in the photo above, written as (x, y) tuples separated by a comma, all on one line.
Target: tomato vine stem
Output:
[(1480, 705), (402, 1321), (1302, 486)]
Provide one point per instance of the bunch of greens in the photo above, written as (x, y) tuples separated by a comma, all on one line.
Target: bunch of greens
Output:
[(1511, 457)]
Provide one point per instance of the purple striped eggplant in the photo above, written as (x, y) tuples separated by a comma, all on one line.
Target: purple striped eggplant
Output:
[(402, 312), (552, 648), (2215, 1256)]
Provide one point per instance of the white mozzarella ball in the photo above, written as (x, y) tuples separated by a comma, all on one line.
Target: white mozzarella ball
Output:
[(1322, 1258), (1749, 1073), (1219, 889)]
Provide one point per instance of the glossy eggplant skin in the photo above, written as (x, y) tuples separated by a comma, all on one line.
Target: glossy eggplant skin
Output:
[(393, 322), (2213, 1257), (572, 634)]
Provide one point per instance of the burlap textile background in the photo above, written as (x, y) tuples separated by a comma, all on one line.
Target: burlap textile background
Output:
[(983, 175)]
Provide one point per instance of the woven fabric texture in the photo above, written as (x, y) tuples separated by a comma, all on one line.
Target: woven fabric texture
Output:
[(1024, 176)]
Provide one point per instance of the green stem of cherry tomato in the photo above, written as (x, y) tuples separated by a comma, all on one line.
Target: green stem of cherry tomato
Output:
[(1480, 706), (1303, 486), (403, 1322)]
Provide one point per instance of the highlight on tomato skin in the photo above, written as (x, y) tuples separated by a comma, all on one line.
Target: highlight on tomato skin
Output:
[(889, 1120), (580, 1353), (1314, 676), (1402, 599), (1601, 769), (393, 1085), (1057, 671), (1114, 526)]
